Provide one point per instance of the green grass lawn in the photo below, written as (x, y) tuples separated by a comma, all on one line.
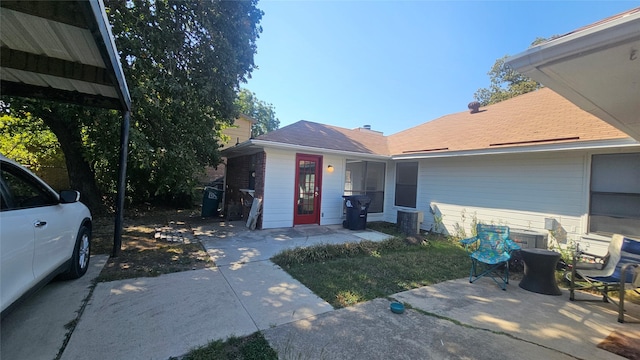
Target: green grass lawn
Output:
[(252, 347), (347, 274)]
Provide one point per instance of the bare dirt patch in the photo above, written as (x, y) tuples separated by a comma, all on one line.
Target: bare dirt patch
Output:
[(154, 242)]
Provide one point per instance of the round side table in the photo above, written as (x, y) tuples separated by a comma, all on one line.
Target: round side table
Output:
[(539, 271)]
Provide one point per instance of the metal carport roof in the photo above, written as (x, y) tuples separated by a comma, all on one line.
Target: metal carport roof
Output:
[(64, 51)]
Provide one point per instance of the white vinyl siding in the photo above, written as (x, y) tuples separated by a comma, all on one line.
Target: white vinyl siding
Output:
[(515, 190), (332, 190), (279, 186)]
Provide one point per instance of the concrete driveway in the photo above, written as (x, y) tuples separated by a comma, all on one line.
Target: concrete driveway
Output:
[(156, 318), (36, 329)]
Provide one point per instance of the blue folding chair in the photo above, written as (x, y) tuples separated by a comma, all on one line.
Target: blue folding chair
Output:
[(491, 248), (620, 272)]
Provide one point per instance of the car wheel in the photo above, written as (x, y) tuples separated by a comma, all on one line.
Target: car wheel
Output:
[(81, 254)]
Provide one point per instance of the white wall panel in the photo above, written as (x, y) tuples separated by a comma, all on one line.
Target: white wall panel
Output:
[(332, 190), (279, 189)]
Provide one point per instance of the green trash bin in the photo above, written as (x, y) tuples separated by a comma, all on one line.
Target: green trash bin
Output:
[(210, 201)]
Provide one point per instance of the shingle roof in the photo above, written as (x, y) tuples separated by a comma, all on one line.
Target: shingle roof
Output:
[(539, 117), (307, 133)]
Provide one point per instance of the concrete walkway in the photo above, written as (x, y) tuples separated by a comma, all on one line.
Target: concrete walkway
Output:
[(156, 318)]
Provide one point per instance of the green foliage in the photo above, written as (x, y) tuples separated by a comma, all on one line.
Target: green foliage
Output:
[(460, 230), (29, 141), (184, 61), (505, 84), (438, 224), (259, 110), (343, 251), (69, 123)]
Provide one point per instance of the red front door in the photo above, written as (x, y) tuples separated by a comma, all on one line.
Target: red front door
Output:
[(307, 190)]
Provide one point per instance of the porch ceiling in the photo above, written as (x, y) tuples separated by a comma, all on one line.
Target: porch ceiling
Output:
[(596, 67)]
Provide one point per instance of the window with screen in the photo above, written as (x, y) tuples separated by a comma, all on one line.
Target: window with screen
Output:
[(406, 184)]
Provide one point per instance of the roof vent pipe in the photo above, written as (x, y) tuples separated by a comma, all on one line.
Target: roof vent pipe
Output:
[(368, 127), (474, 106)]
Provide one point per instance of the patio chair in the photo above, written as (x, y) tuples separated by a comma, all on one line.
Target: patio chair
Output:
[(619, 272), (491, 248)]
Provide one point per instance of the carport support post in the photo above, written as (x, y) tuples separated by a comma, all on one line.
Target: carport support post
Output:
[(122, 181)]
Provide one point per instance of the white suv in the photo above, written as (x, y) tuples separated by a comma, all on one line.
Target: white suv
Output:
[(42, 233)]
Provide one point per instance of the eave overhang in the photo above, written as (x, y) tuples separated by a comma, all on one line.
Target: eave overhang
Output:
[(253, 146), (597, 68), (585, 145)]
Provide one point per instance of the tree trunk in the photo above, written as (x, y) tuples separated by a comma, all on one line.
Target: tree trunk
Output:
[(81, 177)]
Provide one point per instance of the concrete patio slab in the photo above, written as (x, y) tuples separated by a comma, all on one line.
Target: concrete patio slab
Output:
[(41, 319), (270, 295), (372, 235), (156, 318), (371, 331), (550, 321)]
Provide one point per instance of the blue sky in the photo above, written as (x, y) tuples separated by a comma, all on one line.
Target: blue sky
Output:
[(396, 64)]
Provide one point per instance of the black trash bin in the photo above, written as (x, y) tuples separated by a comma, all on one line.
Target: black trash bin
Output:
[(210, 201), (357, 209)]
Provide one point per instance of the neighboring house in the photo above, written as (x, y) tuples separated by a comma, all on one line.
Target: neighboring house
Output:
[(532, 162), (235, 134), (239, 132)]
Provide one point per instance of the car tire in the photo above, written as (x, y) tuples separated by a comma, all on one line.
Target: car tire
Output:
[(79, 262)]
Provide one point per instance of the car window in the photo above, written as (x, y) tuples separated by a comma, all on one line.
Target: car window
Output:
[(20, 190)]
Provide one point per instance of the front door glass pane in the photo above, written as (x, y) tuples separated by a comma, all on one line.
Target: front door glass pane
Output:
[(307, 184)]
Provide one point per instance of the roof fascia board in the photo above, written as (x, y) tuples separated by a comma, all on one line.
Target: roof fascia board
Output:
[(107, 45), (591, 145), (576, 44), (276, 145)]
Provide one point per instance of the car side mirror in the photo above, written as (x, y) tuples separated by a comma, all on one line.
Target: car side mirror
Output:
[(69, 196)]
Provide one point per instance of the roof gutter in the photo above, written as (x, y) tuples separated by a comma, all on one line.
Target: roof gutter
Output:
[(585, 145)]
